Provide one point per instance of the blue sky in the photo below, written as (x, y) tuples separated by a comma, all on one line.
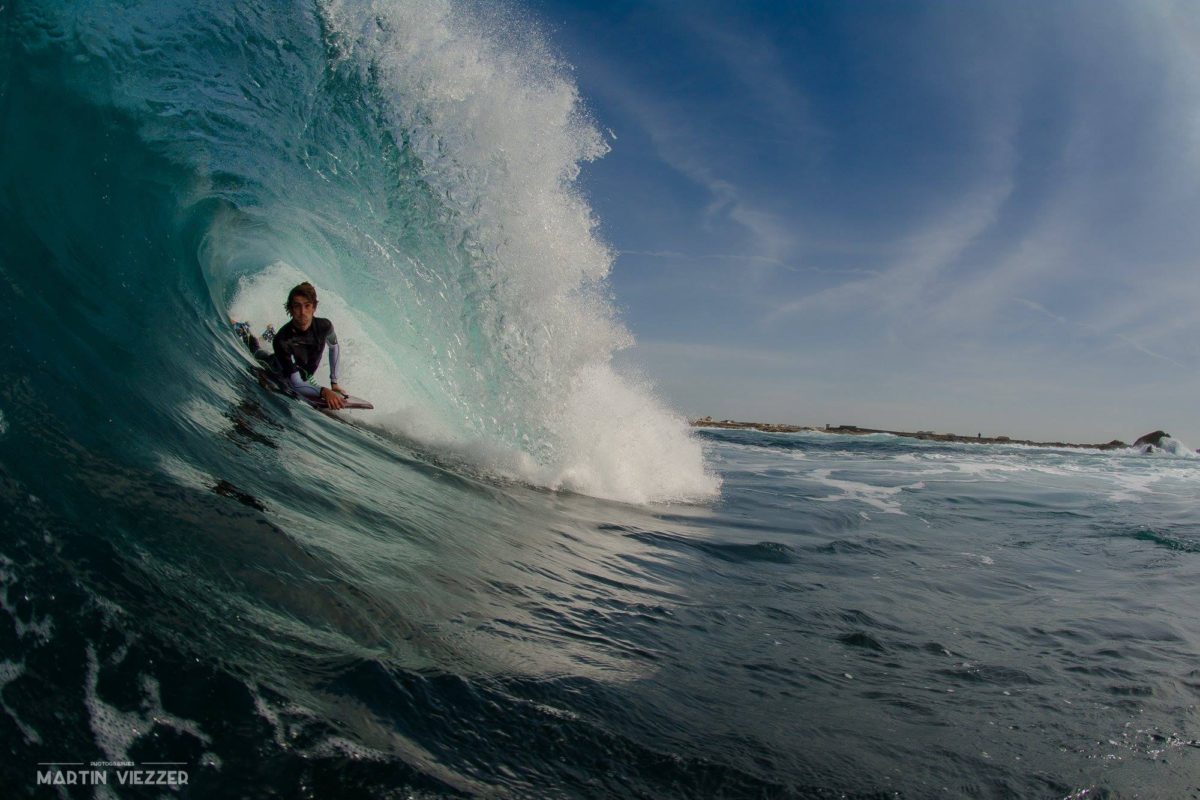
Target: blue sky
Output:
[(969, 217)]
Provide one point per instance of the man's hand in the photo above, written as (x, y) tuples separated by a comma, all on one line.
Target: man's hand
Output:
[(332, 398)]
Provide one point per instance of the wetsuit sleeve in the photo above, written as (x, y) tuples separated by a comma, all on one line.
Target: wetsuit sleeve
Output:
[(334, 354), (299, 386)]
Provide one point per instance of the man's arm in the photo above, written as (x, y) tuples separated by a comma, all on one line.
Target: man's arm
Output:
[(333, 395), (330, 396), (300, 386), (334, 355)]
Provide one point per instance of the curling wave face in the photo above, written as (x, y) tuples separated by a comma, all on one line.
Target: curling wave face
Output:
[(416, 161)]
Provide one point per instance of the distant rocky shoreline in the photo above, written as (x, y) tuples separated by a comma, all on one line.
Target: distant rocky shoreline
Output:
[(1116, 444)]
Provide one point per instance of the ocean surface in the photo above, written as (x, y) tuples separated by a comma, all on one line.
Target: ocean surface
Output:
[(522, 575)]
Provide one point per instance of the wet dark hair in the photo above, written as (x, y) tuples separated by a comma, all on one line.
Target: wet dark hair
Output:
[(303, 290)]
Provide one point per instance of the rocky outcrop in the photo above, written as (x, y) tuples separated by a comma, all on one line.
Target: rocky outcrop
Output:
[(1152, 439), (765, 427), (709, 422)]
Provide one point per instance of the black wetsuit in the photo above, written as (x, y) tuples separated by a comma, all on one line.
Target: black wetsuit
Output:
[(298, 354)]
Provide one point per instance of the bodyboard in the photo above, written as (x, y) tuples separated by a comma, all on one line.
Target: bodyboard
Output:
[(273, 381), (351, 402)]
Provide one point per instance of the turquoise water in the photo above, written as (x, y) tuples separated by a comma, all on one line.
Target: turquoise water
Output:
[(522, 575)]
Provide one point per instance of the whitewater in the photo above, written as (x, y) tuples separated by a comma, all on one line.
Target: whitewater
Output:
[(523, 574)]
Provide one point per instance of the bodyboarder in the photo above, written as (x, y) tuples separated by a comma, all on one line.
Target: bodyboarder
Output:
[(298, 347)]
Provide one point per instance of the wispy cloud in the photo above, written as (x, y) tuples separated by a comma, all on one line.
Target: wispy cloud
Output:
[(769, 237), (1092, 330), (904, 285), (756, 61), (712, 355), (742, 257)]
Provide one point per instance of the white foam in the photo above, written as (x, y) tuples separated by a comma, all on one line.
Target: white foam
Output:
[(339, 746), (9, 672), (283, 730), (115, 730), (1131, 487), (1167, 447), (880, 497), (771, 453), (42, 628), (616, 442), (1126, 476)]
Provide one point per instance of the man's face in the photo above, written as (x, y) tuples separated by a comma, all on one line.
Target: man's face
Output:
[(302, 312)]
